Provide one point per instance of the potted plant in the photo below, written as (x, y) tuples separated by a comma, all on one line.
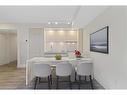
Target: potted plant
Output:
[(58, 57)]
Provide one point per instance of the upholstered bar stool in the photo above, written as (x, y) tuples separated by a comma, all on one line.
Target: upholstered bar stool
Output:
[(63, 70), (84, 69), (42, 71)]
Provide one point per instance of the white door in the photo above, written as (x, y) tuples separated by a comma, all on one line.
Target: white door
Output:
[(36, 42)]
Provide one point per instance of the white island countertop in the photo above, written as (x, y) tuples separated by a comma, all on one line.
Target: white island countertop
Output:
[(36, 59)]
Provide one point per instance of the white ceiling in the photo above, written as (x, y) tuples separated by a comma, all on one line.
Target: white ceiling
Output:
[(88, 13), (81, 16), (36, 14)]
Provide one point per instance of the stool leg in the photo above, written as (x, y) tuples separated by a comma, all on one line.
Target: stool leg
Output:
[(75, 76), (39, 80), (91, 83), (49, 82), (79, 81), (70, 82), (57, 80), (51, 78), (35, 85), (85, 78)]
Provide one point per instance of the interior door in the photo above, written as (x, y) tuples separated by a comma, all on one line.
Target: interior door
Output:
[(36, 42)]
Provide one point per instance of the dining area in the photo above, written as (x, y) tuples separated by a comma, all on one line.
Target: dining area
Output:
[(58, 73), (60, 62)]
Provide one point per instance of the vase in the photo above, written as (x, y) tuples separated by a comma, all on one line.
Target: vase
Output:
[(78, 57)]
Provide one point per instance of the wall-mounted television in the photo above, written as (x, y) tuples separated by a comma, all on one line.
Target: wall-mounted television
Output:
[(99, 41)]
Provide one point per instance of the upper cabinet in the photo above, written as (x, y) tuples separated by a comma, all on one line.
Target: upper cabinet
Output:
[(60, 40)]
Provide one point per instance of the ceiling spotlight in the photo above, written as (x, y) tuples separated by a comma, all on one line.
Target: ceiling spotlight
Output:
[(51, 43), (61, 43), (73, 43), (72, 32), (56, 22), (49, 22), (68, 23), (51, 32), (68, 43), (61, 31)]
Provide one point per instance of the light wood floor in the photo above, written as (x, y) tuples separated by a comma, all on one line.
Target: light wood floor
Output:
[(11, 77)]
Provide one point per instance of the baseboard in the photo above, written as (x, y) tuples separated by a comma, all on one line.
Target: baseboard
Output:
[(14, 61), (3, 64)]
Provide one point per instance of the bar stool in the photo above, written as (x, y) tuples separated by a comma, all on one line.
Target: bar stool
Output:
[(42, 71), (63, 69), (84, 69)]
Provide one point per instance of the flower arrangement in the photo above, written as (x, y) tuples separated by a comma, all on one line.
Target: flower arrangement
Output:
[(77, 53), (58, 57)]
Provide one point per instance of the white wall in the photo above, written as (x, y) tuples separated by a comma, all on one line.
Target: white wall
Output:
[(8, 48), (110, 69), (2, 49), (11, 47)]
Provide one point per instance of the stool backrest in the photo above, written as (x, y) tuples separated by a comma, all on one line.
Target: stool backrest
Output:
[(84, 68), (63, 69), (41, 70)]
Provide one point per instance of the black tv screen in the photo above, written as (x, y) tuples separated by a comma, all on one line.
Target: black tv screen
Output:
[(99, 40)]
